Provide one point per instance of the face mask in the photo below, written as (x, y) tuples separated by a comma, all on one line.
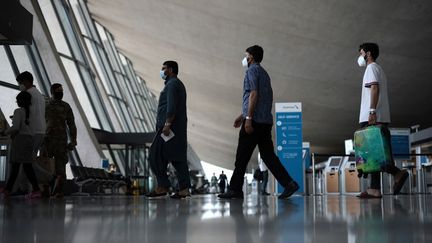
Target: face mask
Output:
[(361, 61), (58, 95), (22, 87), (162, 74), (245, 62)]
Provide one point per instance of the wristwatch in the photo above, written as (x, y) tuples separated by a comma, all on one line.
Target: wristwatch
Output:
[(248, 118)]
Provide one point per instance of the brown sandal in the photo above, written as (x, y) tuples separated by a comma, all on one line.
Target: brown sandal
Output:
[(365, 195)]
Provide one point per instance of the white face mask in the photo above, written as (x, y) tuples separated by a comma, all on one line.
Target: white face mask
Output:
[(162, 74), (361, 61), (245, 62), (22, 87)]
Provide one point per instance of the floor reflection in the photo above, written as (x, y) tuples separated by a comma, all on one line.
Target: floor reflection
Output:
[(392, 219), (208, 219)]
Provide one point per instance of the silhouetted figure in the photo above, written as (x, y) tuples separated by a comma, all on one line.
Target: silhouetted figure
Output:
[(22, 146), (222, 182), (171, 119)]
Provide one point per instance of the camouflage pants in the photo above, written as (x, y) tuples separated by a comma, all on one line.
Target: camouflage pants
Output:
[(57, 149)]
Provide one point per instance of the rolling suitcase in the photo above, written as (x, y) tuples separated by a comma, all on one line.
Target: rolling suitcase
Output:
[(372, 150)]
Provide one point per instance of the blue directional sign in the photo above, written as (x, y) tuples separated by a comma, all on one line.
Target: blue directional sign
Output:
[(289, 140), (400, 142)]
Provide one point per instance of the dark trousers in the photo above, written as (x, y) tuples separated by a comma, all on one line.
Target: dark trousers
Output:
[(391, 168), (182, 175), (29, 172), (264, 181), (222, 186), (57, 148), (261, 136), (159, 165)]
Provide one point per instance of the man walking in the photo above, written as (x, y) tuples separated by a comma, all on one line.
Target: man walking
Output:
[(375, 109), (37, 109), (222, 182), (38, 125), (59, 118), (256, 123), (171, 122)]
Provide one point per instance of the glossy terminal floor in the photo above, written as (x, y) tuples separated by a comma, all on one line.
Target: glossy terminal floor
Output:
[(205, 219)]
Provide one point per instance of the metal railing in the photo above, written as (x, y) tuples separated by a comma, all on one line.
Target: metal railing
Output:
[(420, 178)]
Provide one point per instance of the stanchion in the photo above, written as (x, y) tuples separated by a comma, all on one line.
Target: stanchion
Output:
[(313, 174)]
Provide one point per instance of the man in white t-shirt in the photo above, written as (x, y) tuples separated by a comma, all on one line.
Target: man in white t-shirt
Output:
[(37, 124), (37, 108), (375, 109)]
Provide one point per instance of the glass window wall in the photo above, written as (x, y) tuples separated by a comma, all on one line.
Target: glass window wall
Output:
[(61, 25), (6, 72), (100, 75)]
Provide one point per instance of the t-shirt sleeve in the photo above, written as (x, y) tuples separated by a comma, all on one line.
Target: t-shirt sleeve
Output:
[(371, 76), (252, 78)]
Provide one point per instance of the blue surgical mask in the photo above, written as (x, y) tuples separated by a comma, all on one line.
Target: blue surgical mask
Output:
[(245, 62), (162, 74)]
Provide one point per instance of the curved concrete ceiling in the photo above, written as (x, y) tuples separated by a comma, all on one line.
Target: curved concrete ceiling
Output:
[(310, 53)]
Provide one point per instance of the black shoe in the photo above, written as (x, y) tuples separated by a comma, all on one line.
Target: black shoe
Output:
[(289, 190), (265, 193), (181, 194), (158, 192), (231, 195)]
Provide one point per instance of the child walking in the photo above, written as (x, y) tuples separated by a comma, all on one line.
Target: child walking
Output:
[(22, 146)]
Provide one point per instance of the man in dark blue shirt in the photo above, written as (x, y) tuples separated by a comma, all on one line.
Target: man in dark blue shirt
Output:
[(171, 116), (256, 123)]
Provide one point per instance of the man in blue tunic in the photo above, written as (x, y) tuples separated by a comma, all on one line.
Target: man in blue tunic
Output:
[(171, 119), (256, 123)]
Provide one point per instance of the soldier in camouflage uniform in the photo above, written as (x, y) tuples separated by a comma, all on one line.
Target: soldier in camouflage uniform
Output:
[(59, 117)]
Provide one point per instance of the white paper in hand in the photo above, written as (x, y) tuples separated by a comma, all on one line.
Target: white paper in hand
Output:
[(167, 138)]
